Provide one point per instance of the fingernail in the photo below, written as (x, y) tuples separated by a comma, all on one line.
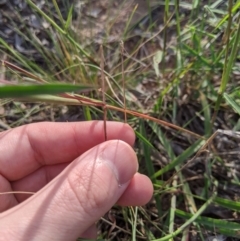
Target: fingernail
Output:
[(121, 159)]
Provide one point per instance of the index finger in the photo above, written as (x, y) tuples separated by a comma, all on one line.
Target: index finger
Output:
[(26, 148)]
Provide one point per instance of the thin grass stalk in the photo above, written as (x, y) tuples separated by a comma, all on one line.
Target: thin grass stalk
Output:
[(82, 100), (178, 63), (186, 234), (149, 12), (103, 92), (128, 22), (173, 207), (123, 81), (166, 21), (189, 202), (134, 229), (232, 58)]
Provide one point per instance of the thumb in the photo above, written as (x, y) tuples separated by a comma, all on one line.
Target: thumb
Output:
[(70, 204)]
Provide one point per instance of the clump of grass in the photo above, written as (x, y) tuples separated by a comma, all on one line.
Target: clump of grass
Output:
[(193, 89)]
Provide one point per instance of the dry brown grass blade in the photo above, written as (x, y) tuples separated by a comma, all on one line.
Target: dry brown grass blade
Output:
[(12, 66), (17, 192), (88, 101)]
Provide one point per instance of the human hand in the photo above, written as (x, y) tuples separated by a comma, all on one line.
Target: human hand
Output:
[(77, 178)]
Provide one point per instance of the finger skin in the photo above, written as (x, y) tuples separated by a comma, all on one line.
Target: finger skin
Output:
[(25, 149), (32, 155), (7, 200), (36, 180), (75, 199), (90, 233), (138, 192)]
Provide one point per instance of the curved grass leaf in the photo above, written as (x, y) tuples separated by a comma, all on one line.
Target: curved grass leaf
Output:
[(233, 205), (143, 139), (181, 158), (224, 19), (190, 220), (69, 18), (225, 227), (29, 90), (232, 103)]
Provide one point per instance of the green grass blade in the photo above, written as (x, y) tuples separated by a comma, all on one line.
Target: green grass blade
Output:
[(69, 18), (146, 149), (229, 63), (58, 12), (197, 55), (232, 103), (87, 113), (223, 20), (29, 90), (51, 21), (231, 229), (51, 99), (207, 116), (134, 226), (15, 55), (233, 205), (143, 139), (181, 158), (189, 221), (59, 29), (165, 142)]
